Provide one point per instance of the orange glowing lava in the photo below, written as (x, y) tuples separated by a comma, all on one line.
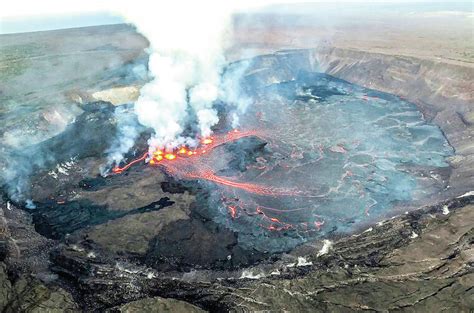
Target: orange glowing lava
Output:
[(195, 170), (252, 188), (170, 156), (118, 170), (187, 163), (209, 144)]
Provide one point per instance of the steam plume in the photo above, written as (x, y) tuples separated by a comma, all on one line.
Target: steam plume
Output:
[(186, 61), (128, 131), (231, 90), (187, 44)]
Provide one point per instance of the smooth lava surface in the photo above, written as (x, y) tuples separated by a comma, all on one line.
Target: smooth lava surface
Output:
[(339, 157)]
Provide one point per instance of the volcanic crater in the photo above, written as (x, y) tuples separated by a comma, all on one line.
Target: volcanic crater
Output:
[(316, 159)]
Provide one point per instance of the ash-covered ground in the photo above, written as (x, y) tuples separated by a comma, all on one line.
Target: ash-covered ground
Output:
[(340, 158)]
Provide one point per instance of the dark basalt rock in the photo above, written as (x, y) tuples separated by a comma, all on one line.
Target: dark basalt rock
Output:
[(89, 136), (103, 283), (158, 305), (198, 243), (420, 261), (55, 220), (26, 294), (93, 184), (303, 89), (383, 261), (244, 152), (173, 186)]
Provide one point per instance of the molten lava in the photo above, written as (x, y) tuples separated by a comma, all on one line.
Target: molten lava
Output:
[(187, 163), (207, 145), (119, 170), (170, 156)]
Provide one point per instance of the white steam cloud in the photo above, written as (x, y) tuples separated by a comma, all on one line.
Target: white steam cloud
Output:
[(187, 46), (128, 131), (231, 91), (186, 64)]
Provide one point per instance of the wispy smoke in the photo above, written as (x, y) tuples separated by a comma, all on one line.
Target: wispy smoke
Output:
[(128, 130), (16, 166), (232, 92)]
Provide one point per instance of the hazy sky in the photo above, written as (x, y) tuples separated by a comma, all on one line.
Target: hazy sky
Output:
[(40, 23), (30, 15)]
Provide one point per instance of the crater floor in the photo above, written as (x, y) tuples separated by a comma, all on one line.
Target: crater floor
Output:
[(355, 155)]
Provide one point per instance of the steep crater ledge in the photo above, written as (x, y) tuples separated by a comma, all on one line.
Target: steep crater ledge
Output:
[(443, 91)]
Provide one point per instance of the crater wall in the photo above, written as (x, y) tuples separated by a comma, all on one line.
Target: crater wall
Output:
[(443, 91)]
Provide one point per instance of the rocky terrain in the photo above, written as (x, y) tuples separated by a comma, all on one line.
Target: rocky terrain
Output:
[(143, 242), (414, 262)]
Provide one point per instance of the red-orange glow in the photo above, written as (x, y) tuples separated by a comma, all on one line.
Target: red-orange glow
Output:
[(118, 170), (170, 156), (234, 206), (249, 187), (210, 143), (156, 159), (318, 224), (195, 164), (233, 211), (188, 163)]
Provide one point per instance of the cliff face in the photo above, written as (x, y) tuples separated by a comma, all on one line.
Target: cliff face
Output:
[(418, 262), (444, 93), (425, 81)]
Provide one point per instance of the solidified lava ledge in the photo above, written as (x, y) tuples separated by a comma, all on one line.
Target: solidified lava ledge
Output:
[(327, 192)]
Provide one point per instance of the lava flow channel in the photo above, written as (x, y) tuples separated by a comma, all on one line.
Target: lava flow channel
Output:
[(197, 170), (119, 170), (186, 163), (207, 144), (194, 169), (249, 187)]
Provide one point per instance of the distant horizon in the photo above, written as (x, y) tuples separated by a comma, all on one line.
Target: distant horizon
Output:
[(48, 23), (12, 25)]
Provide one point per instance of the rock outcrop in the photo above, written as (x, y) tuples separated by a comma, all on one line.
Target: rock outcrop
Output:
[(157, 305)]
